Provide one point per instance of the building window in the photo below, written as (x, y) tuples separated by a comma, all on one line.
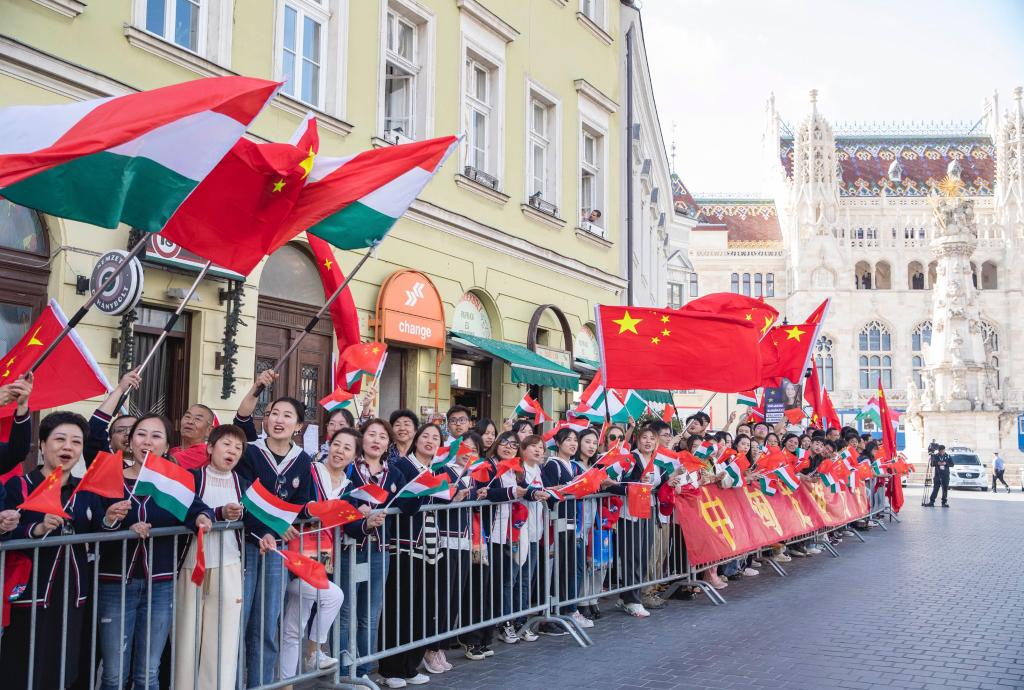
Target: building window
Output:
[(989, 276), (401, 67), (675, 295), (303, 50), (593, 10), (542, 147), (24, 271), (769, 285), (746, 284), (693, 285), (915, 275), (823, 360), (862, 275), (176, 21), (591, 174), (482, 112), (758, 287), (734, 282), (875, 361), (919, 338)]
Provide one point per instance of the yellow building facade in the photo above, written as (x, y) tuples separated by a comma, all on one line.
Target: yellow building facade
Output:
[(505, 234)]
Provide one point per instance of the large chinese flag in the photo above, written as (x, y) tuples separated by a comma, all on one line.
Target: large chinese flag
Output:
[(785, 352), (757, 311), (666, 349)]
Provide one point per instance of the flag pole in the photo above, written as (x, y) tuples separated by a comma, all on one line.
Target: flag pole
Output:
[(84, 309), (131, 494), (319, 314)]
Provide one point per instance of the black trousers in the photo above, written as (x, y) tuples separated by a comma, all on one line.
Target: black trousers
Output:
[(998, 475), (633, 546), (483, 597), (410, 604), (940, 480)]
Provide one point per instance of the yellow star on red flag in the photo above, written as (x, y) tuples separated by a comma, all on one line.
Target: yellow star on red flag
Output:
[(794, 333), (627, 323)]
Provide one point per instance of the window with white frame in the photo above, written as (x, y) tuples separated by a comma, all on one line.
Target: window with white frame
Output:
[(675, 295), (542, 151), (919, 338), (875, 361), (823, 360), (303, 50), (177, 21), (592, 176), (406, 85), (593, 10), (480, 112), (694, 285)]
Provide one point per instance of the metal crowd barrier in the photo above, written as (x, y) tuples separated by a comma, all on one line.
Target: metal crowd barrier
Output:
[(459, 578)]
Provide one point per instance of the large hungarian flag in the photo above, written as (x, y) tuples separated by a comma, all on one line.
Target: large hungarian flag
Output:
[(785, 353), (352, 202), (755, 310), (528, 407), (68, 375), (130, 159), (666, 349), (344, 316), (171, 487), (275, 513)]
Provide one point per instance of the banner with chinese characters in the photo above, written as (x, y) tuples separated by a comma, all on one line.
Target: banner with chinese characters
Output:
[(718, 523)]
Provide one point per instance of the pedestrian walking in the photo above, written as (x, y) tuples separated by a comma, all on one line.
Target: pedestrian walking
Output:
[(998, 470), (940, 462)]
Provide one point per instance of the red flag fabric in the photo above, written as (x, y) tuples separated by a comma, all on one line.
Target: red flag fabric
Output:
[(818, 315), (481, 472), (587, 483), (357, 360), (334, 513), (689, 462), (794, 415), (831, 417), (665, 349), (68, 375), (785, 351), (510, 465), (668, 413), (46, 497), (888, 430), (305, 568), (752, 309), (105, 476), (343, 310), (199, 572), (638, 498)]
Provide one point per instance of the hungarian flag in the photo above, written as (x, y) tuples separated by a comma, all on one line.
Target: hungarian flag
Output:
[(877, 469), (199, 571), (45, 498), (848, 457), (704, 450), (339, 399), (528, 407), (616, 463), (446, 454), (638, 499), (334, 513), (785, 353), (735, 466), (68, 375), (870, 412), (370, 493), (480, 470), (130, 159), (275, 513), (105, 476), (425, 484), (666, 349), (344, 316), (747, 398), (305, 568), (592, 397), (785, 474), (575, 422), (352, 202), (755, 310), (510, 465), (171, 487), (801, 459), (666, 460), (358, 360), (768, 486), (235, 216)]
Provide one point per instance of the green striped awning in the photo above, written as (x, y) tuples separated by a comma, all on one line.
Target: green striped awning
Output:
[(527, 366), (649, 396)]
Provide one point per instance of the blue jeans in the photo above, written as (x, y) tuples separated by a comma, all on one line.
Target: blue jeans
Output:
[(370, 568), (262, 592), (141, 602), (732, 567)]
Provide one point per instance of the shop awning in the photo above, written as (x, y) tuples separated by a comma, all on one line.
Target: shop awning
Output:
[(649, 396), (527, 366)]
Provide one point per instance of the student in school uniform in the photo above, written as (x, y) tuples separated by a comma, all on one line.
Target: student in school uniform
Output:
[(529, 583)]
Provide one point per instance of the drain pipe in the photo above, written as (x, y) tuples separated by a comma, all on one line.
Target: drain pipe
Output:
[(629, 166)]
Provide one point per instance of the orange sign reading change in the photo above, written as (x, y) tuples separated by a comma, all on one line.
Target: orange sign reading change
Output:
[(409, 310)]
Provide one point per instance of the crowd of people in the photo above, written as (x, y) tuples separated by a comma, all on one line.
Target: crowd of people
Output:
[(430, 570)]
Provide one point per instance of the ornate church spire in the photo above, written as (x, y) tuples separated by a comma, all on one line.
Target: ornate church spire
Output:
[(1010, 168), (814, 195)]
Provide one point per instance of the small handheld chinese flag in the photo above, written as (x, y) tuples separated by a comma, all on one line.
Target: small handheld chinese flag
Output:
[(105, 476), (638, 497), (199, 572), (46, 497), (305, 568), (334, 513), (510, 465)]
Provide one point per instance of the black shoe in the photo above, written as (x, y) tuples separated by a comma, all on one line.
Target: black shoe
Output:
[(475, 653), (684, 594), (594, 613), (945, 505), (929, 505), (485, 650), (551, 629)]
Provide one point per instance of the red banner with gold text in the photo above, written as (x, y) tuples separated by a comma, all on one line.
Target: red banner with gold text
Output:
[(718, 523)]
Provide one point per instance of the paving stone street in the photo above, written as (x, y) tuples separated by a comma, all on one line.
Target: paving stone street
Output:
[(934, 602)]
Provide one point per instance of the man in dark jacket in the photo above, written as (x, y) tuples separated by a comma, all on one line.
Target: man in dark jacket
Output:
[(940, 462)]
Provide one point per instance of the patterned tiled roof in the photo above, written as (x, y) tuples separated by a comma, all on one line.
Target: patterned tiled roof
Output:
[(865, 163), (748, 220), (682, 199)]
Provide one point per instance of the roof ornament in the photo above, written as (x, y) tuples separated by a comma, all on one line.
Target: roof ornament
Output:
[(895, 171), (954, 169)]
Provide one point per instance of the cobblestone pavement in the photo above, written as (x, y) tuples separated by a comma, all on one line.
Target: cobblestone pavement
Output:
[(934, 602)]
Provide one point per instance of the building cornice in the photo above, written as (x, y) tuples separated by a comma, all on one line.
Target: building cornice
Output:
[(585, 88), (499, 26)]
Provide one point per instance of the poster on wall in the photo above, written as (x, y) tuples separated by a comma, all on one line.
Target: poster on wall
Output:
[(777, 401)]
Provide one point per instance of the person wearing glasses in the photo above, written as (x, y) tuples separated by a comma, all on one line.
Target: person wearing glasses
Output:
[(616, 436), (459, 420)]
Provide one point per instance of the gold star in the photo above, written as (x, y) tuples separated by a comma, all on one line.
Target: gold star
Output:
[(307, 164), (665, 331), (11, 361), (627, 323), (655, 340), (375, 350), (664, 319), (768, 321), (328, 263), (794, 333), (750, 317), (279, 185), (35, 341), (6, 374)]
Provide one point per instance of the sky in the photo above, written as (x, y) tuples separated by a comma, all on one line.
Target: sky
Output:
[(714, 64)]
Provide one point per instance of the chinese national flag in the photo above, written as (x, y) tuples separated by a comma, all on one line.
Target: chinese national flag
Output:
[(794, 415), (334, 513), (359, 359), (669, 413), (69, 374), (638, 498), (689, 462), (45, 498), (757, 311), (305, 568), (818, 315), (105, 476), (785, 352), (587, 483), (199, 572), (888, 431), (343, 309), (667, 349), (510, 465)]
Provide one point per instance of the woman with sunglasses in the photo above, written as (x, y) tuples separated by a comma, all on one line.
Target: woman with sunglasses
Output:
[(616, 436)]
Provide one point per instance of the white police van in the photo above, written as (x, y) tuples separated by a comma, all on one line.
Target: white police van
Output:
[(967, 472)]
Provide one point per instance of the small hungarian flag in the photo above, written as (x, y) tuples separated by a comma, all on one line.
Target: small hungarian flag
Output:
[(529, 407), (802, 459), (335, 512), (666, 460), (105, 476), (425, 484), (767, 486), (638, 498), (616, 463), (45, 498), (785, 475), (339, 399), (734, 466), (199, 572), (306, 568), (828, 480), (877, 469), (576, 422), (510, 465), (272, 511), (846, 456), (361, 359), (446, 455), (370, 493), (748, 398), (704, 450), (171, 487)]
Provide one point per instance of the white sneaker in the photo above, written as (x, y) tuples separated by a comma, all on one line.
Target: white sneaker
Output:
[(750, 572), (782, 558), (507, 633), (395, 682), (756, 563), (797, 553), (527, 635), (813, 550), (637, 610), (321, 661), (582, 620), (418, 679)]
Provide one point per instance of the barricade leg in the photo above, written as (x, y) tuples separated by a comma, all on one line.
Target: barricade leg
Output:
[(694, 580), (776, 567)]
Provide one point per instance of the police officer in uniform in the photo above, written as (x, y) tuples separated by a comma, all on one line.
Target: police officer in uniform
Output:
[(941, 462)]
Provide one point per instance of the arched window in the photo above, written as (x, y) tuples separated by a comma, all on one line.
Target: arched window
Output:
[(823, 360), (990, 339), (24, 271), (746, 284), (883, 276), (758, 286), (769, 285), (862, 275), (734, 282), (875, 361), (915, 276), (919, 337), (989, 276)]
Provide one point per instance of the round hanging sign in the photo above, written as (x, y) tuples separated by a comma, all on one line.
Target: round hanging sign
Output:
[(126, 290)]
